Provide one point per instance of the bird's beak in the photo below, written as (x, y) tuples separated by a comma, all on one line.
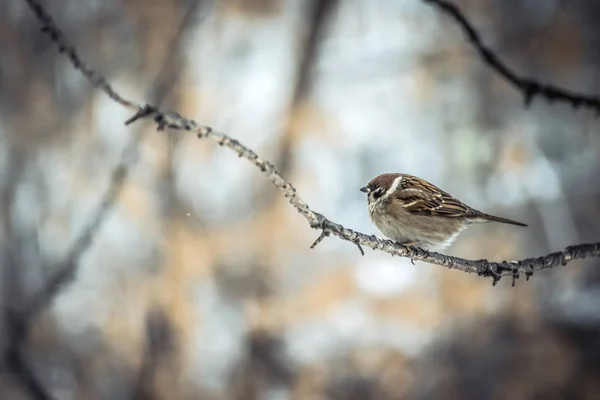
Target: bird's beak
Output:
[(364, 189)]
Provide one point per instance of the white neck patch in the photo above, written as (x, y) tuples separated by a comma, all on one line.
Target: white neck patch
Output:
[(394, 186)]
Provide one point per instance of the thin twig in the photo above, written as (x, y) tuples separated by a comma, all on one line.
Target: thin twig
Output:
[(173, 120), (530, 88), (58, 37)]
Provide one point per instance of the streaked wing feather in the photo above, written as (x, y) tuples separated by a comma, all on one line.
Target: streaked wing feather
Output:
[(423, 198)]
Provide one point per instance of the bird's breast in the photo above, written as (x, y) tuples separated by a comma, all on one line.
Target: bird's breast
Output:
[(430, 232)]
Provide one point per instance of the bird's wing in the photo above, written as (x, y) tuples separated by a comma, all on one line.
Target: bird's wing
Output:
[(420, 197)]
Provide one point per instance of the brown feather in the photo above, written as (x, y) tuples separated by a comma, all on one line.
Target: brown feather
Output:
[(423, 198), (384, 181)]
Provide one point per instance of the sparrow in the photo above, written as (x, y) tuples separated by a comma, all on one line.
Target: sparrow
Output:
[(414, 212)]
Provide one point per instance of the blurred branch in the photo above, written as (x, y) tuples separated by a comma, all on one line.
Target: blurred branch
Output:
[(170, 72), (530, 88), (167, 79), (263, 364), (320, 11), (15, 359), (173, 120), (318, 14), (18, 322), (160, 342), (15, 326), (66, 273)]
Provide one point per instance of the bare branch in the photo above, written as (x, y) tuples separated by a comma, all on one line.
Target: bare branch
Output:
[(530, 88), (58, 37), (173, 120)]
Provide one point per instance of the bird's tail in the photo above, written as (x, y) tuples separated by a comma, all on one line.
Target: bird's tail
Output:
[(487, 217)]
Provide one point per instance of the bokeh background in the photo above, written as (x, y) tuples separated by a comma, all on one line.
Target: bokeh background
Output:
[(199, 282)]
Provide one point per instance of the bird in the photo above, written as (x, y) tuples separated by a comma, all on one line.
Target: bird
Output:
[(414, 212)]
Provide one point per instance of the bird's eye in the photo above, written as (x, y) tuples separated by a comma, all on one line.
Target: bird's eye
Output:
[(377, 193)]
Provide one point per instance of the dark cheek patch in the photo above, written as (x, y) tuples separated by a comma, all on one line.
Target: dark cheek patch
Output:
[(377, 193)]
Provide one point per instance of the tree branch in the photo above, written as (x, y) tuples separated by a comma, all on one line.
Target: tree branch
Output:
[(529, 88), (173, 120)]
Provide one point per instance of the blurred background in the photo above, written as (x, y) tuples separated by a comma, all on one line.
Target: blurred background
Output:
[(199, 283)]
